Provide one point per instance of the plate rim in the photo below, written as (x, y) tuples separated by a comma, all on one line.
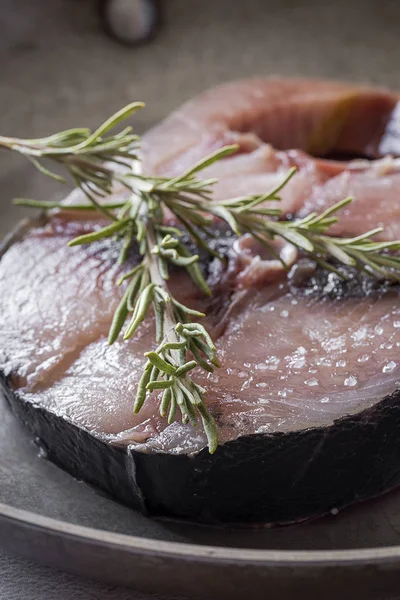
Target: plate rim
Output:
[(24, 519)]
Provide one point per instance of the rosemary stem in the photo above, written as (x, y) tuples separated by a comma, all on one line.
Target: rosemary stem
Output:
[(83, 163), (153, 265), (157, 278)]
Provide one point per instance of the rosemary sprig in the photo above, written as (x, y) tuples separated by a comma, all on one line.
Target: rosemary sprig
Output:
[(96, 161), (249, 214), (89, 157)]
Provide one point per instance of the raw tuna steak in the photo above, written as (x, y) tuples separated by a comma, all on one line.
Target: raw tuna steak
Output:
[(307, 397)]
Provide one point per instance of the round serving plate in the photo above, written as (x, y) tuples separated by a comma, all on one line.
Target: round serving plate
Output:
[(48, 516)]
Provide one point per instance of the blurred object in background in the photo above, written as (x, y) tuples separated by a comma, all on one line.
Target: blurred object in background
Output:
[(130, 21)]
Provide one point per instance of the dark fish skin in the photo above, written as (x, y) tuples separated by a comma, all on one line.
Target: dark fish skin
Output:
[(275, 479)]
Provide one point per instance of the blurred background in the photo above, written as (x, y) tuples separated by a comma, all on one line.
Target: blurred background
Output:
[(59, 67)]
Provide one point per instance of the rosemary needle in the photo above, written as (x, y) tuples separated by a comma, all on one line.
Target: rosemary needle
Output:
[(96, 161)]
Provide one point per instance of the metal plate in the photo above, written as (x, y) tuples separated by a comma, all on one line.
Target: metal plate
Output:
[(50, 517)]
